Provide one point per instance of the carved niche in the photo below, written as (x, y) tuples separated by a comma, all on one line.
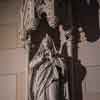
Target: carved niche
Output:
[(31, 14)]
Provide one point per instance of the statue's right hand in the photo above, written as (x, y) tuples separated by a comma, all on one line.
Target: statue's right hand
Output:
[(35, 61)]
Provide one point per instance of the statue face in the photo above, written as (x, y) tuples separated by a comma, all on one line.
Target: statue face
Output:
[(45, 43)]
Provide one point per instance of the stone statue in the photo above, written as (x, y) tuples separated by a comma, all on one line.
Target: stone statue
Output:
[(49, 70)]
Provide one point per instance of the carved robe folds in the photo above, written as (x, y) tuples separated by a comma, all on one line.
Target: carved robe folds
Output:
[(48, 72)]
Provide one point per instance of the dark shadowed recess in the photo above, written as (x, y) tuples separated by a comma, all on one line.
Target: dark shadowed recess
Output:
[(86, 14)]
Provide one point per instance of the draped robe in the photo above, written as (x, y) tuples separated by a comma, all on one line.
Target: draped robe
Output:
[(48, 71)]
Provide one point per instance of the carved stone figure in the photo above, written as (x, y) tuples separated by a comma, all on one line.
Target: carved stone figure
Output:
[(49, 70), (48, 78)]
